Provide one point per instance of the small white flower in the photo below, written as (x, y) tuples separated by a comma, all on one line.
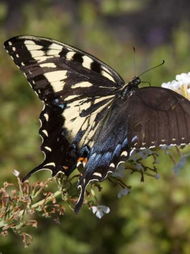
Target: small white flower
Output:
[(100, 210), (123, 192), (157, 176), (184, 77), (16, 173), (171, 85), (181, 85)]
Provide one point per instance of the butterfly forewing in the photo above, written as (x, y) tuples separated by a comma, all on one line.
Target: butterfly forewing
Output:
[(51, 64), (74, 84)]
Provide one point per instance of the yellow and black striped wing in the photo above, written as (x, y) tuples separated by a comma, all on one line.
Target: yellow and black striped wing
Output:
[(77, 90)]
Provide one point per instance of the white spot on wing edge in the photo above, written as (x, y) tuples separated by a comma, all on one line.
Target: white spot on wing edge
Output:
[(182, 144), (50, 164), (153, 146), (45, 132), (48, 148), (46, 116), (70, 54), (87, 62), (121, 162), (124, 153), (97, 174), (56, 46)]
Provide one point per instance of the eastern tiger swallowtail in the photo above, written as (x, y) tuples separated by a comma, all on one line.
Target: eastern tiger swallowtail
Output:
[(90, 114)]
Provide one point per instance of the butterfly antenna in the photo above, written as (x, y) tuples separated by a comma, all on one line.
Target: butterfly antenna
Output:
[(163, 61), (134, 52)]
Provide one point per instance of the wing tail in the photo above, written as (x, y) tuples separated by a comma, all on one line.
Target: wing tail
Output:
[(36, 169), (82, 186)]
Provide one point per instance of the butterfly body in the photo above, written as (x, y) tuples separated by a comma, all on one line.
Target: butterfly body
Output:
[(90, 115)]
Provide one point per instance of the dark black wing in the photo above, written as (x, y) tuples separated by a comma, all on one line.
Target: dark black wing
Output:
[(149, 117), (76, 88), (160, 117)]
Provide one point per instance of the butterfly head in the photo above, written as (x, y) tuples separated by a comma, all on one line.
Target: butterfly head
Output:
[(134, 83), (130, 87)]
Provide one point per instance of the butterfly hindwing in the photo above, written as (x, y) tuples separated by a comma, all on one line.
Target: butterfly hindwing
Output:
[(59, 155), (161, 117)]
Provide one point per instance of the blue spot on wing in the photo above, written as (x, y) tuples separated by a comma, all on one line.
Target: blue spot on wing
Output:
[(107, 156), (98, 160), (117, 150), (125, 142)]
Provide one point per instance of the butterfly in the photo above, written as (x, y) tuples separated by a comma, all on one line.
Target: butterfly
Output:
[(90, 115)]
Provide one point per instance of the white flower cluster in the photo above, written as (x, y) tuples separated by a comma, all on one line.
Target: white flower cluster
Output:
[(100, 210), (181, 85)]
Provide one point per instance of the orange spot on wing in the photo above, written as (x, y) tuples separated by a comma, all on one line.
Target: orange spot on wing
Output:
[(83, 159)]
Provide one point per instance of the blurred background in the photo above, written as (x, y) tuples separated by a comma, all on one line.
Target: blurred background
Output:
[(155, 217)]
